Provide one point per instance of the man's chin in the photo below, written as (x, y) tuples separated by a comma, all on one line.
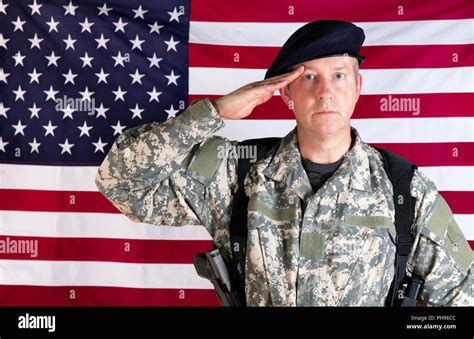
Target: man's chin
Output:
[(326, 128)]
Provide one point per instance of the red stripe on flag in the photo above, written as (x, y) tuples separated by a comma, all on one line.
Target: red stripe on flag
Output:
[(435, 154), (439, 105), (459, 201), (54, 201), (428, 56), (104, 249), (14, 295), (458, 204), (305, 11)]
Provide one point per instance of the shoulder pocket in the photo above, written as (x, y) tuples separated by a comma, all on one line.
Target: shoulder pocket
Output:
[(206, 160), (457, 247)]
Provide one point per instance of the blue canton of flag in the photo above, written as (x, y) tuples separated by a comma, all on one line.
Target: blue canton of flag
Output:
[(75, 74)]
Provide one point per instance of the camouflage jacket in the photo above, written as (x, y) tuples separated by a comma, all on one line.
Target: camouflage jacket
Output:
[(335, 247)]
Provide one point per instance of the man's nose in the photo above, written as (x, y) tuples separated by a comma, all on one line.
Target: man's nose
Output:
[(325, 90)]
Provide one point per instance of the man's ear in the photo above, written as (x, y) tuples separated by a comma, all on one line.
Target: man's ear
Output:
[(285, 94), (359, 85)]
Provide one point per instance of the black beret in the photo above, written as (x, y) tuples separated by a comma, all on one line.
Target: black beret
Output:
[(318, 39)]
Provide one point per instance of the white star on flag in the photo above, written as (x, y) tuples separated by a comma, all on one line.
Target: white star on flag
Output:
[(18, 58), (86, 94), (3, 144), (86, 60), (51, 93), (53, 25), (70, 9), (99, 145), (102, 42), (3, 110), (104, 10), (52, 59), (66, 147), (171, 43), (137, 112), (34, 76), (19, 128), (154, 95), (69, 77), (34, 146), (19, 94), (101, 111), (172, 78), (119, 25), (119, 94), (154, 61), (118, 128), (84, 129), (175, 15), (171, 112), (86, 25), (137, 77), (35, 42), (34, 111), (69, 42), (49, 129), (102, 76), (35, 8), (4, 76), (139, 12), (18, 24)]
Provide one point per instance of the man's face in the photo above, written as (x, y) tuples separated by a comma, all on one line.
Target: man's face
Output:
[(323, 98)]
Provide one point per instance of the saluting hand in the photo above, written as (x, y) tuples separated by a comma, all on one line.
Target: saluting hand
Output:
[(241, 102)]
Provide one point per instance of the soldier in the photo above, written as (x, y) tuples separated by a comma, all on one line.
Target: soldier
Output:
[(321, 208)]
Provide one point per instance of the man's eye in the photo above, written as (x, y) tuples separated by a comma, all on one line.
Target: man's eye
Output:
[(340, 76), (309, 77)]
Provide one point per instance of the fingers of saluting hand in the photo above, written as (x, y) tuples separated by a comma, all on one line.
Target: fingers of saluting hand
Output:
[(275, 83), (287, 77)]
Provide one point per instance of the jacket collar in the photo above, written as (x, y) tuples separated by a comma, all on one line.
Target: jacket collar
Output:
[(287, 169)]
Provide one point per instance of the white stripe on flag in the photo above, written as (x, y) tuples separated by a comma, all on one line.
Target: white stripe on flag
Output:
[(220, 81), (91, 225), (450, 178), (251, 129), (90, 273), (94, 225), (393, 130), (466, 223), (413, 130), (423, 32), (55, 178)]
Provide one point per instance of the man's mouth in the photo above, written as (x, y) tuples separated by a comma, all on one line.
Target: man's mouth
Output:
[(325, 112)]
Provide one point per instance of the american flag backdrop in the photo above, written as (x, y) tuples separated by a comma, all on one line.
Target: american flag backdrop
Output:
[(75, 74)]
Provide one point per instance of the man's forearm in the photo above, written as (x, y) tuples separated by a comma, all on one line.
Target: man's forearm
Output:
[(148, 153)]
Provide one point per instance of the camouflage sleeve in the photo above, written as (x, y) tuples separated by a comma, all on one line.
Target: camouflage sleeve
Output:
[(441, 254), (172, 173)]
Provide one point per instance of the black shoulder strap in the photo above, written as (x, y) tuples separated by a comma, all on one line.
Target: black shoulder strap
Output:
[(400, 172), (238, 220)]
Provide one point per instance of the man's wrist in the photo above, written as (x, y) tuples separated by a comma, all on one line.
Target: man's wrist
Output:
[(215, 104)]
